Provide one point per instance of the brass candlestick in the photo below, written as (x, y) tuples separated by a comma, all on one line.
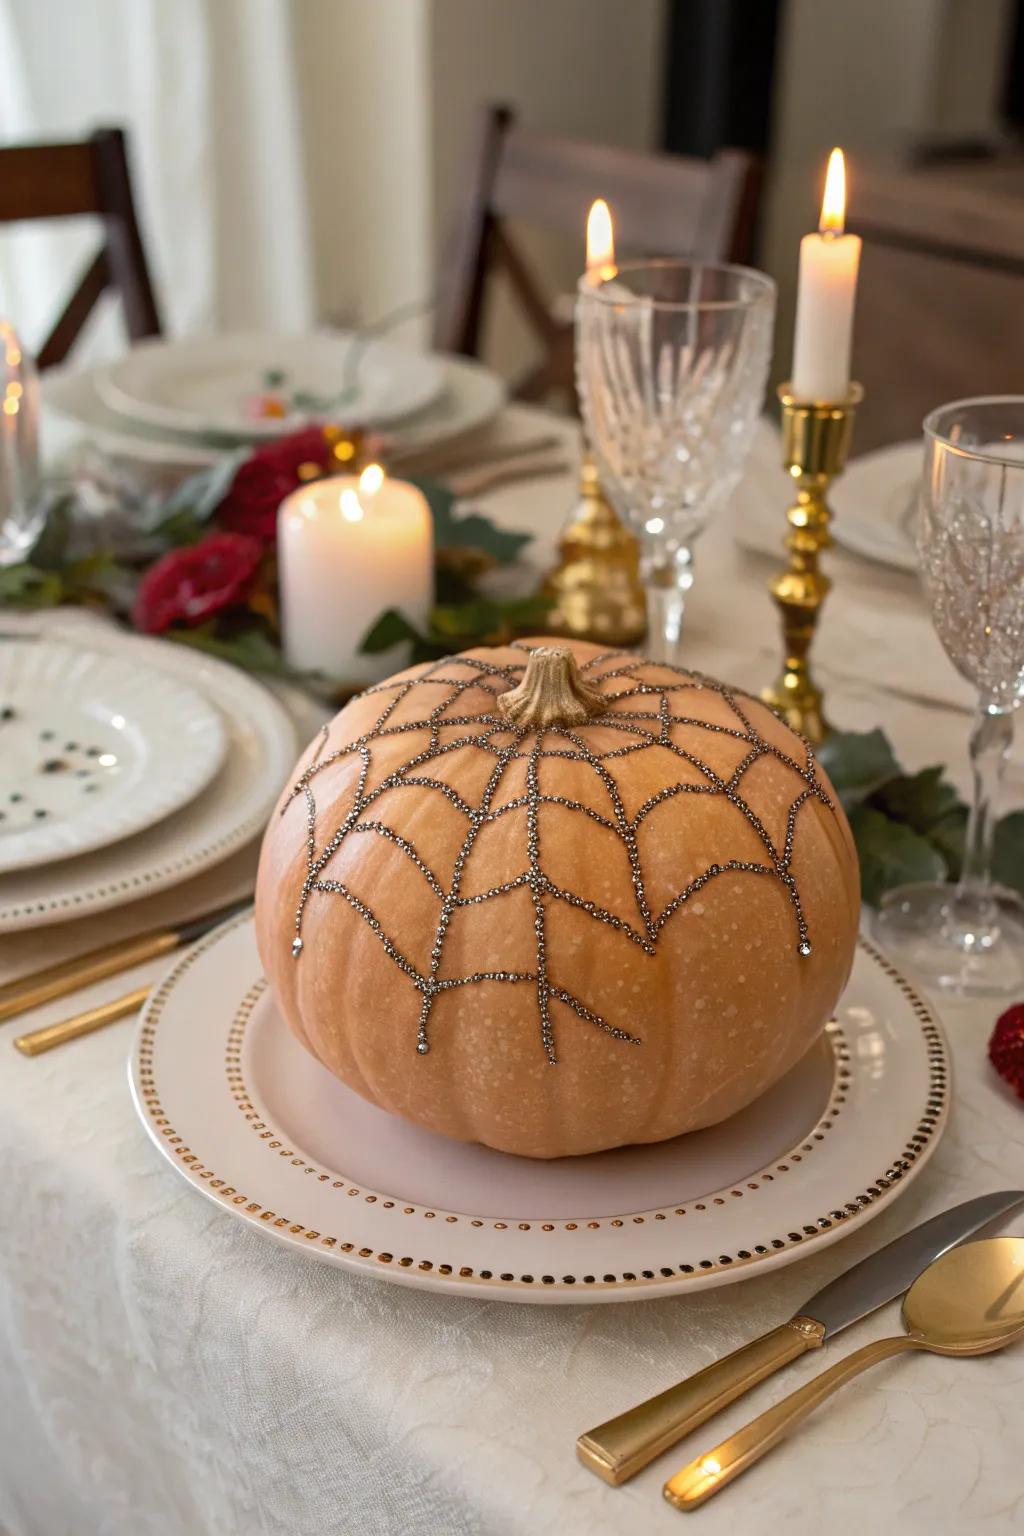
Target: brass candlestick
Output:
[(815, 442), (595, 586)]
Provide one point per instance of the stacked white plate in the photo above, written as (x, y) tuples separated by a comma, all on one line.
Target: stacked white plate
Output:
[(126, 766), (170, 408)]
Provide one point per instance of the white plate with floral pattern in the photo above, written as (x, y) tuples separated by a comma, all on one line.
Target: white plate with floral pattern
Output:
[(227, 814), (251, 1120), (93, 748), (264, 385)]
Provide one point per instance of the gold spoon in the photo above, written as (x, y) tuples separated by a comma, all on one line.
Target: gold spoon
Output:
[(970, 1301)]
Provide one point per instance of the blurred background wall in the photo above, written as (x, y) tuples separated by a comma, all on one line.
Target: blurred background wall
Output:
[(300, 160)]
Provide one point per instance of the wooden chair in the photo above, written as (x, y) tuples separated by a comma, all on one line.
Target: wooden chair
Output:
[(662, 205), (940, 304), (54, 181)]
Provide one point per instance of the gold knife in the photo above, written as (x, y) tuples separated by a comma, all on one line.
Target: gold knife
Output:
[(619, 1448), (71, 975), (40, 1040)]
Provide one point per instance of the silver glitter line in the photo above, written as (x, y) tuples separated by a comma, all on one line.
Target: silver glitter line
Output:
[(646, 728)]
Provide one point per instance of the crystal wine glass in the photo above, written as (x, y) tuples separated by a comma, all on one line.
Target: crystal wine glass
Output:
[(969, 938), (21, 508), (671, 362)]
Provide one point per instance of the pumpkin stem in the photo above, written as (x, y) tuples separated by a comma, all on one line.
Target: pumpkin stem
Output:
[(552, 692)]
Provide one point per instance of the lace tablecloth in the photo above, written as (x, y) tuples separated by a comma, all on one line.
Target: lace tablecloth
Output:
[(164, 1371)]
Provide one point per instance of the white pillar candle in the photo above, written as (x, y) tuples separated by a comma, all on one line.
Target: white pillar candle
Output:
[(348, 549), (825, 298)]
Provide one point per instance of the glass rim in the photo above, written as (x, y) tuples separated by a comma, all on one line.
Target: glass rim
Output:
[(980, 455), (765, 285)]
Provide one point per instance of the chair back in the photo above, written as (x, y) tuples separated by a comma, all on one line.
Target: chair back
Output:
[(940, 305), (664, 205), (56, 181)]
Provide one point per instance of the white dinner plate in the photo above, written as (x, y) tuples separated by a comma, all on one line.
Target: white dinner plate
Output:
[(73, 409), (247, 1116), (93, 748), (231, 811), (211, 384), (875, 504)]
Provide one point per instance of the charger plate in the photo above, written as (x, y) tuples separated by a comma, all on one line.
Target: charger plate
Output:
[(248, 1117)]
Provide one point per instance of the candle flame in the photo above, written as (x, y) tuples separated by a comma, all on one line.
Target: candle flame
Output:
[(833, 204), (371, 480), (600, 241), (351, 507)]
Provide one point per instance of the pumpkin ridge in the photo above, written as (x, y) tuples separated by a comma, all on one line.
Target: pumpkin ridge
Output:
[(602, 716)]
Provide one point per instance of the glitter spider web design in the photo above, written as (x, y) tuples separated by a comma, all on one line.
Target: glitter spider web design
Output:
[(646, 728)]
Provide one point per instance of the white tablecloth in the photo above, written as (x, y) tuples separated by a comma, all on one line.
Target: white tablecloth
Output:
[(163, 1370)]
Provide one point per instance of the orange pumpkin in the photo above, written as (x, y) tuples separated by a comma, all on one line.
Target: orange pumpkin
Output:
[(557, 900)]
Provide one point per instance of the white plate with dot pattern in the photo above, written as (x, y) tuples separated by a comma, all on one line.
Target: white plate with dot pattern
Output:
[(243, 1112), (93, 748), (223, 817)]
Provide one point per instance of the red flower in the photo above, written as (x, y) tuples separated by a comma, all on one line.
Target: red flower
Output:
[(188, 586), (265, 479), (1006, 1047)]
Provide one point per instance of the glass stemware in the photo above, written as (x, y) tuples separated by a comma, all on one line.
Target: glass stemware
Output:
[(671, 362), (21, 508), (969, 938)]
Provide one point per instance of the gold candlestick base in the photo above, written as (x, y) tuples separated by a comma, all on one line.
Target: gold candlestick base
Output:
[(815, 442), (595, 587)]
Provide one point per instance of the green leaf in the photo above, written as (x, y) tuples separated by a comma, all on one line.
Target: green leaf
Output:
[(25, 586), (1008, 852), (50, 548), (950, 838), (392, 628), (193, 502), (891, 854), (922, 799), (858, 763), (474, 529), (250, 649)]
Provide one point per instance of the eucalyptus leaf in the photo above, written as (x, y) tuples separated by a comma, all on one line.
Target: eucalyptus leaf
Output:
[(891, 853)]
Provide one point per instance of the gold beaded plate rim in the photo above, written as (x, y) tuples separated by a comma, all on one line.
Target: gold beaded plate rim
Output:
[(190, 1090)]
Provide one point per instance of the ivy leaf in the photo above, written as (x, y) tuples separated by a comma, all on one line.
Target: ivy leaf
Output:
[(922, 799), (891, 854), (858, 763), (1008, 854), (474, 529)]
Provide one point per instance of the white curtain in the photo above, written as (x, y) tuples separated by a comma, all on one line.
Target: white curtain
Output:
[(207, 91)]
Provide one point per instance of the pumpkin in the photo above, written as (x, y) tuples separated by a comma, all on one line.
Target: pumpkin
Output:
[(557, 900)]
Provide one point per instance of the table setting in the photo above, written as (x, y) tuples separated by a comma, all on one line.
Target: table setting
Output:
[(511, 958)]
